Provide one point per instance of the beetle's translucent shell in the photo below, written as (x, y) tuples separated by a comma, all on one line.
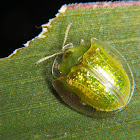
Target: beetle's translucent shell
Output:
[(93, 79)]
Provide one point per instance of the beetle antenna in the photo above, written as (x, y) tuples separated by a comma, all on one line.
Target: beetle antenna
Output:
[(50, 56), (47, 57), (66, 34)]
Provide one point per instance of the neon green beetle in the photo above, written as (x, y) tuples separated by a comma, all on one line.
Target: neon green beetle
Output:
[(93, 79)]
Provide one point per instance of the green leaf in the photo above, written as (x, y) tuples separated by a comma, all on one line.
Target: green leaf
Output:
[(30, 107)]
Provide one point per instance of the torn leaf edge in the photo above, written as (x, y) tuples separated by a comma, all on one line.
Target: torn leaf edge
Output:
[(64, 8), (41, 35)]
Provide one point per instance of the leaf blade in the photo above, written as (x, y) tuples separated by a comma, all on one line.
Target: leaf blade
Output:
[(30, 106)]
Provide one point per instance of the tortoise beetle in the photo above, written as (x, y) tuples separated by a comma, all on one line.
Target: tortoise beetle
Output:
[(94, 79)]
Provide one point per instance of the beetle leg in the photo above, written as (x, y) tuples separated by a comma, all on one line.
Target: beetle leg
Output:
[(67, 46), (82, 41)]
